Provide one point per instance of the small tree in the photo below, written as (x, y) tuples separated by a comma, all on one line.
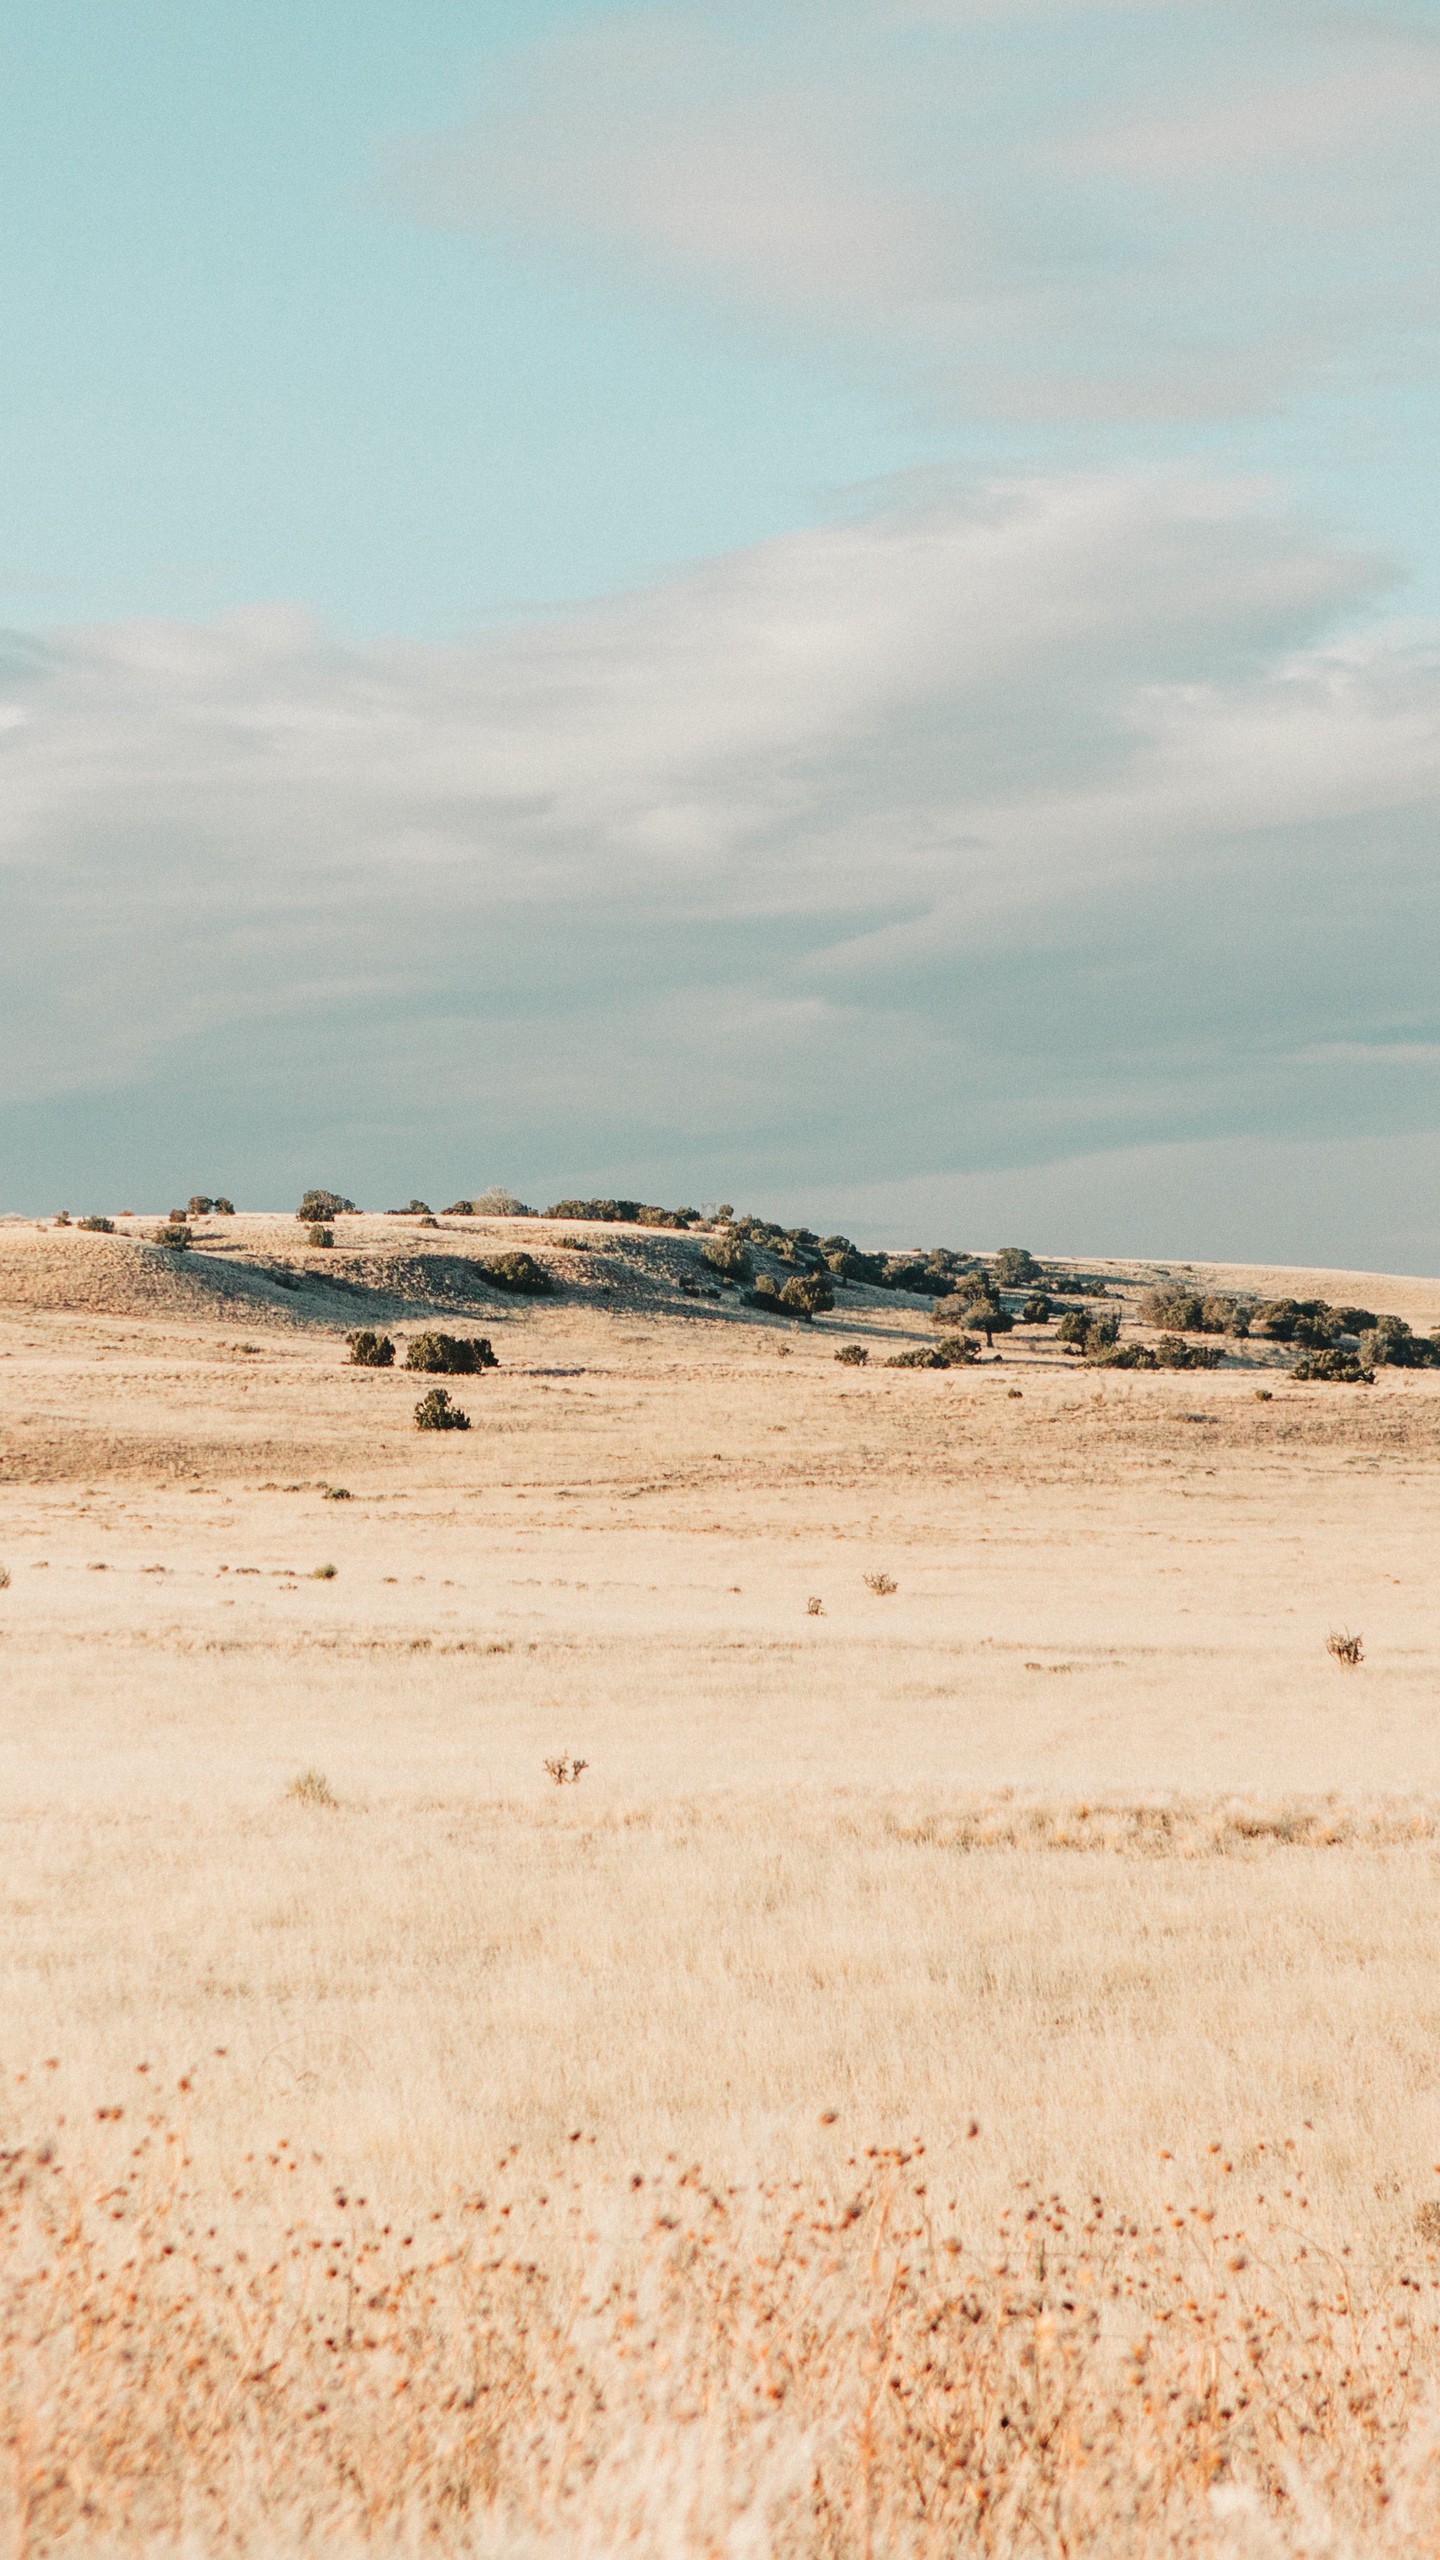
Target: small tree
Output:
[(1016, 1268), (200, 1206), (1037, 1309), (318, 1207), (223, 1208)]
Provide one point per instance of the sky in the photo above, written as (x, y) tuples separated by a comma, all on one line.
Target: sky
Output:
[(836, 608)]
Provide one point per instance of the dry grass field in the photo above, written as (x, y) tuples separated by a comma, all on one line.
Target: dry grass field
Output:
[(957, 2071)]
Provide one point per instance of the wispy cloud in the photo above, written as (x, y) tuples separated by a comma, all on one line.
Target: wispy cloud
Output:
[(1043, 212)]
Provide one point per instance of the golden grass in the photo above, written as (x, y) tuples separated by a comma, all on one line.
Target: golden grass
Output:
[(667, 2075)]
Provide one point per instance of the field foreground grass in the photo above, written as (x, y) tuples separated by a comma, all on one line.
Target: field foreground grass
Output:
[(958, 2072)]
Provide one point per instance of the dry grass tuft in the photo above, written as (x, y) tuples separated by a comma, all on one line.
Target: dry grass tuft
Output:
[(312, 1787), (1346, 1649)]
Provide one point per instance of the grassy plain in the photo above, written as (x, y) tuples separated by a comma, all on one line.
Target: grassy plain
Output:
[(1077, 1838)]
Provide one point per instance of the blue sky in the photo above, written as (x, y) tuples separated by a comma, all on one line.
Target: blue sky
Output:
[(835, 607)]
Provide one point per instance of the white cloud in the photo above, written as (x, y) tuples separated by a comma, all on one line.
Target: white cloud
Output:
[(1038, 211), (980, 829)]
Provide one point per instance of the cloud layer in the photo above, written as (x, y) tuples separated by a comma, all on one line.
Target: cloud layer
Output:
[(984, 829)]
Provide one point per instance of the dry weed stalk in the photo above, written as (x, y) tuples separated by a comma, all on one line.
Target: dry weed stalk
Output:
[(1346, 1649), (662, 2366)]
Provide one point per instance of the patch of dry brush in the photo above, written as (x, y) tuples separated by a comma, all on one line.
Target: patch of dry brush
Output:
[(658, 2364)]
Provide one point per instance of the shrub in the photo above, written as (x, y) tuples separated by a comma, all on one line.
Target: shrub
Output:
[(1345, 1648), (1175, 1354), (729, 1256), (953, 1351), (497, 1202), (177, 1239), (320, 1235), (371, 1350), (98, 1226), (200, 1206), (1037, 1309), (223, 1208), (809, 1293), (847, 1262), (412, 1209), (449, 1355), (520, 1274), (1308, 1321), (1072, 1327), (1174, 1310), (852, 1355), (624, 1213), (765, 1297), (177, 1218), (1225, 1315), (62, 1217), (1015, 1268), (1390, 1344), (319, 1206), (881, 1584), (435, 1412), (1333, 1368), (324, 1573), (1357, 1319)]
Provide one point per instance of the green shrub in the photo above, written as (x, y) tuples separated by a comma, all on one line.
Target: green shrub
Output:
[(1333, 1368), (412, 1209), (1390, 1344), (729, 1256), (955, 1351), (98, 1226), (177, 1239), (765, 1299), (371, 1350), (200, 1206), (1357, 1319), (847, 1262), (520, 1274), (318, 1207), (223, 1208), (1072, 1328), (450, 1355), (1126, 1355), (435, 1412), (320, 1235), (852, 1355), (1037, 1309), (624, 1213), (1175, 1354), (1015, 1268), (809, 1292), (1312, 1323)]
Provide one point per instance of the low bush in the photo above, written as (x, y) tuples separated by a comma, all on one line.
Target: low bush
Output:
[(519, 1274), (1309, 1321), (200, 1205), (1179, 1310), (223, 1208), (320, 1235), (624, 1213), (176, 1239), (1390, 1344), (1357, 1319), (98, 1226), (953, 1351), (497, 1202), (412, 1209), (1332, 1368), (852, 1355), (730, 1256), (1016, 1268), (435, 1412), (1126, 1355), (371, 1350), (809, 1293), (449, 1355), (1175, 1354), (318, 1207), (1037, 1309), (765, 1298)]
